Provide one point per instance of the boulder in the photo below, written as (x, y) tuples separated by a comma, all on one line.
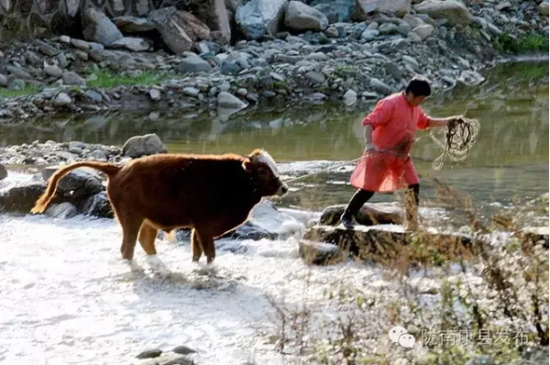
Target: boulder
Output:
[(259, 17), (132, 24), (227, 100), (214, 14), (98, 206), (97, 27), (179, 29), (453, 11), (336, 11), (543, 8), (364, 7), (77, 184), (3, 172), (301, 17), (21, 198), (423, 31), (148, 144), (194, 64), (63, 211)]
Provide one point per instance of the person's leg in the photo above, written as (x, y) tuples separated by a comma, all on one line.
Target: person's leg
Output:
[(356, 202), (411, 207)]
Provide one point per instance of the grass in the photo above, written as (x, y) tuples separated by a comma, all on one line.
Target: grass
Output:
[(27, 90), (108, 80), (527, 43)]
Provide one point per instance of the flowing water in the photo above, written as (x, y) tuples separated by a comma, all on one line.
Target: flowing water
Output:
[(68, 299)]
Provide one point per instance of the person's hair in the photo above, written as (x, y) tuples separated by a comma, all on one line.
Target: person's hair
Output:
[(419, 86)]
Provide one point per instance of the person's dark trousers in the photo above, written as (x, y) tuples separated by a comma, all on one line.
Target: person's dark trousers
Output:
[(361, 197)]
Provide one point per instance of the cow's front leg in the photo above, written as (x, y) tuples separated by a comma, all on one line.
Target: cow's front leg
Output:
[(196, 245)]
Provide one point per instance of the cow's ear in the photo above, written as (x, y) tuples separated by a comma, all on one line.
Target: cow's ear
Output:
[(247, 165)]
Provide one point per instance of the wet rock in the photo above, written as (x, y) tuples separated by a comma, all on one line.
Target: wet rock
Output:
[(61, 100), (72, 78), (453, 11), (131, 43), (97, 27), (370, 214), (132, 24), (145, 145), (259, 17), (63, 211), (149, 354), (320, 253), (78, 184), (301, 17), (424, 31), (183, 350), (3, 172), (194, 64), (98, 206), (53, 71), (21, 198), (365, 7), (227, 100)]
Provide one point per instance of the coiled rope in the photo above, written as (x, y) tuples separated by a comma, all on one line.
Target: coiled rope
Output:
[(458, 139)]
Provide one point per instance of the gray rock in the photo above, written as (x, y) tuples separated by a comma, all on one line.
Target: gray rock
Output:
[(227, 100), (62, 60), (132, 44), (98, 205), (424, 31), (229, 67), (454, 12), (61, 99), (93, 96), (350, 97), (336, 11), (53, 71), (80, 44), (380, 86), (3, 172), (544, 8), (404, 28), (78, 184), (413, 21), (3, 81), (393, 70), (411, 61), (82, 55), (18, 72), (21, 198), (47, 49), (388, 28), (149, 354), (132, 24), (148, 144), (301, 17), (332, 32), (169, 359), (71, 78), (154, 94), (191, 91), (183, 350), (370, 34), (97, 27), (194, 64), (259, 17), (315, 77), (62, 211), (16, 85)]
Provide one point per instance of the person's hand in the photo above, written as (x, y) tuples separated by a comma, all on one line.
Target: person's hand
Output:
[(451, 121)]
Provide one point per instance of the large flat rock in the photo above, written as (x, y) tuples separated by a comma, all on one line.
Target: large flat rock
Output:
[(384, 243)]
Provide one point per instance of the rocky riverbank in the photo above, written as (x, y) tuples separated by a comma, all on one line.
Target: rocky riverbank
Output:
[(296, 53)]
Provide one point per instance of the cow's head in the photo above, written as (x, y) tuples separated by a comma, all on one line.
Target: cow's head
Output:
[(264, 171)]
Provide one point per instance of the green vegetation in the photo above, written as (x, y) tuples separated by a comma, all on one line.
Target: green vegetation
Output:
[(27, 90), (107, 80), (526, 43)]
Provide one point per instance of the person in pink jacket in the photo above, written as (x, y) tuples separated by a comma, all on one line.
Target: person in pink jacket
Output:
[(389, 136)]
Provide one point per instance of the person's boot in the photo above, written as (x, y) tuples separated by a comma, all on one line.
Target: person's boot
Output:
[(353, 207), (347, 219)]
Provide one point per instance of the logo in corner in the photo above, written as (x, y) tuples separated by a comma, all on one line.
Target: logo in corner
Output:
[(400, 336)]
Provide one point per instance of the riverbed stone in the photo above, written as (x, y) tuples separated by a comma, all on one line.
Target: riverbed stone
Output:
[(148, 144)]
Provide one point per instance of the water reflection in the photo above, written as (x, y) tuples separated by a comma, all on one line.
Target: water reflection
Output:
[(511, 156)]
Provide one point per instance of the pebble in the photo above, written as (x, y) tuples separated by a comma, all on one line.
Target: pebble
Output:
[(62, 99), (154, 94)]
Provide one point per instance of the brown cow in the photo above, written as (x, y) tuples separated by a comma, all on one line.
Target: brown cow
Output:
[(212, 194)]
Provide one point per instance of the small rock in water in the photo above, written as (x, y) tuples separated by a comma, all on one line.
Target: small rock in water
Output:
[(183, 350), (62, 99), (149, 354), (350, 97), (148, 144)]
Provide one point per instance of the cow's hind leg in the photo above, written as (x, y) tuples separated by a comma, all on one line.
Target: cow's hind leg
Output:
[(207, 243), (130, 231), (196, 245), (147, 236)]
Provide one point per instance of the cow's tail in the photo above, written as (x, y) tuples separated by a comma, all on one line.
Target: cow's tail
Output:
[(45, 199)]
